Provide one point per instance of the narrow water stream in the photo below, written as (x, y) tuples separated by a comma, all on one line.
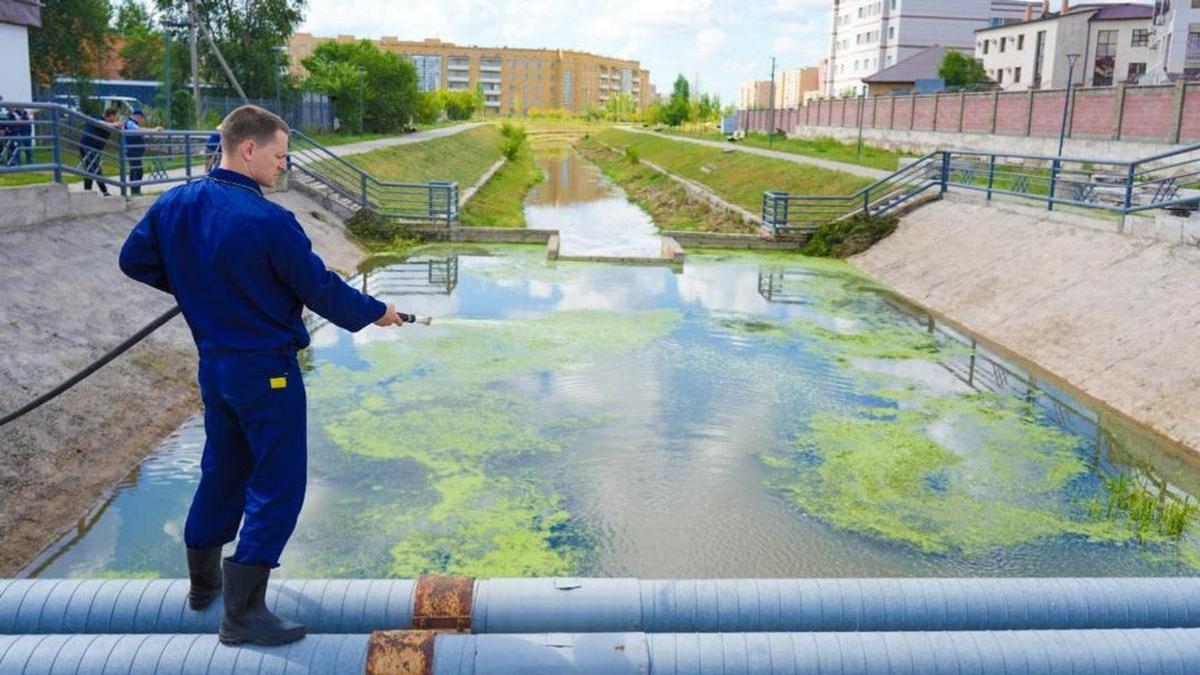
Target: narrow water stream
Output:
[(752, 415), (593, 216)]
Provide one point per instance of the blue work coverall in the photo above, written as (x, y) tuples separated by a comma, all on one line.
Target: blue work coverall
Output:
[(241, 269)]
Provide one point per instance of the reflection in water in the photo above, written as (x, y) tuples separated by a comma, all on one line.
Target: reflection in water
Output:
[(591, 214), (589, 419)]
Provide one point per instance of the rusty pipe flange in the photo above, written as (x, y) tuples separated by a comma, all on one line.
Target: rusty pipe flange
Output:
[(443, 602), (400, 652)]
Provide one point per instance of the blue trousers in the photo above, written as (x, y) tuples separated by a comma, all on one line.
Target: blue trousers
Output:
[(254, 468)]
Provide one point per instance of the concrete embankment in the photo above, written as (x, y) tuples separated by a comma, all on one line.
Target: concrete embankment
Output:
[(1115, 316), (65, 304)]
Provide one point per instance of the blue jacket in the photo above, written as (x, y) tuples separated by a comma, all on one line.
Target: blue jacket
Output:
[(240, 267), (135, 144)]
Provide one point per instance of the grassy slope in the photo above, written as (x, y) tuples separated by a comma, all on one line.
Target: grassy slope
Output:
[(665, 200), (736, 176), (822, 147), (463, 157), (501, 201)]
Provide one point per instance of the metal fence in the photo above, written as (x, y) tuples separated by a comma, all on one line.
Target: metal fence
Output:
[(435, 201), (310, 111), (61, 141), (1170, 181), (58, 140)]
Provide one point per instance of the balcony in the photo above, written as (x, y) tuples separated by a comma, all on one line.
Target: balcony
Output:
[(483, 68)]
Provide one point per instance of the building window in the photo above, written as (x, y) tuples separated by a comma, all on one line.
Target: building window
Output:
[(1141, 37), (891, 32), (1016, 74), (1193, 46), (1000, 76), (1003, 44), (893, 4), (1106, 53), (1136, 71), (860, 12), (1020, 42), (985, 47), (1039, 55)]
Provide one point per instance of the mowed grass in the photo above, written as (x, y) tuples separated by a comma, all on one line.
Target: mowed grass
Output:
[(822, 147), (461, 158), (501, 201), (738, 177)]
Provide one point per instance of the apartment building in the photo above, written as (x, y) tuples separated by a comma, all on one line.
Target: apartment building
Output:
[(756, 95), (1174, 41), (512, 80), (868, 36), (1112, 41), (794, 85)]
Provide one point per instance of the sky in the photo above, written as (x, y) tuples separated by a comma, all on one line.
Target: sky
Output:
[(721, 43)]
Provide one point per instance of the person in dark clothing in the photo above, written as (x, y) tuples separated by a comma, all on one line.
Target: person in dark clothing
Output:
[(8, 130), (23, 148), (91, 146), (242, 270), (135, 148)]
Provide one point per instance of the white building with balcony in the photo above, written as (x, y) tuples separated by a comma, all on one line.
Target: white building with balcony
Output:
[(1174, 42), (1112, 41), (868, 36)]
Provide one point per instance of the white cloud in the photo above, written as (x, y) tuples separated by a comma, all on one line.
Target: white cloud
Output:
[(708, 41)]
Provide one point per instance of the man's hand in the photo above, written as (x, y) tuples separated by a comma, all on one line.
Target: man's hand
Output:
[(390, 317)]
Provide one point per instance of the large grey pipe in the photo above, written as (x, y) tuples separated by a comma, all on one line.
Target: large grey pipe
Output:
[(615, 605), (1087, 652)]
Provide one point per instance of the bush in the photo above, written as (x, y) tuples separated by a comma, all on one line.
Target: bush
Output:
[(844, 238), (372, 228), (631, 154), (514, 137)]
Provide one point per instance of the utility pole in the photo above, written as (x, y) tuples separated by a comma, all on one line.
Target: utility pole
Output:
[(771, 103), (167, 70), (195, 59)]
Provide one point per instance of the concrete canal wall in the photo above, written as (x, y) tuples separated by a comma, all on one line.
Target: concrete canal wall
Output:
[(1115, 315), (65, 304)]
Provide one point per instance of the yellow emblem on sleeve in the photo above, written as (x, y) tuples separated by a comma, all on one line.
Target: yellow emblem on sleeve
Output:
[(278, 382)]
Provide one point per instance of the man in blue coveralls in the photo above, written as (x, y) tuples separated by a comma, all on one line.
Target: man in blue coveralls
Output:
[(242, 269)]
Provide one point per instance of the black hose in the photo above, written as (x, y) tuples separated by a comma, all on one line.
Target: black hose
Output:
[(99, 363)]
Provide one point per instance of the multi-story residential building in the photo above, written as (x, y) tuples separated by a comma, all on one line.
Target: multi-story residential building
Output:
[(756, 95), (16, 16), (794, 84), (1174, 42), (1112, 41), (867, 36), (512, 80)]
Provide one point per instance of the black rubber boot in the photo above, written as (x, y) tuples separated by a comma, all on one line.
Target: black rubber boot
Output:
[(247, 618), (204, 569)]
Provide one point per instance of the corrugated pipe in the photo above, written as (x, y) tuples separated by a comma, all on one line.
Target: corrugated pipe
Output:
[(615, 605), (1086, 652)]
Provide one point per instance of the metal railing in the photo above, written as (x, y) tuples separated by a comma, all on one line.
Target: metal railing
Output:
[(61, 141), (1170, 180), (786, 213), (435, 201)]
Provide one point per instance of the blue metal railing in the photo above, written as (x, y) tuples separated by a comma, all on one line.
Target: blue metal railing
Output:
[(59, 140), (435, 201), (1170, 180)]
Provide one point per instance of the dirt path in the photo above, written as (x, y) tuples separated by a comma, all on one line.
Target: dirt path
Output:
[(65, 304)]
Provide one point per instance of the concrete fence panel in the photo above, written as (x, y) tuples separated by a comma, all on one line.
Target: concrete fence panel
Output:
[(1189, 123), (1094, 113), (1047, 116), (1148, 114), (923, 112), (949, 112), (1012, 112), (977, 112)]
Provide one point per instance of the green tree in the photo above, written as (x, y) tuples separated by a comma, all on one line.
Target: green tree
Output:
[(620, 107), (461, 104), (71, 41), (677, 109), (960, 70), (385, 82), (429, 107), (142, 44), (250, 36)]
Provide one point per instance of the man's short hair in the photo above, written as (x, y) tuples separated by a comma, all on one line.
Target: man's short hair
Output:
[(109, 112), (249, 122)]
